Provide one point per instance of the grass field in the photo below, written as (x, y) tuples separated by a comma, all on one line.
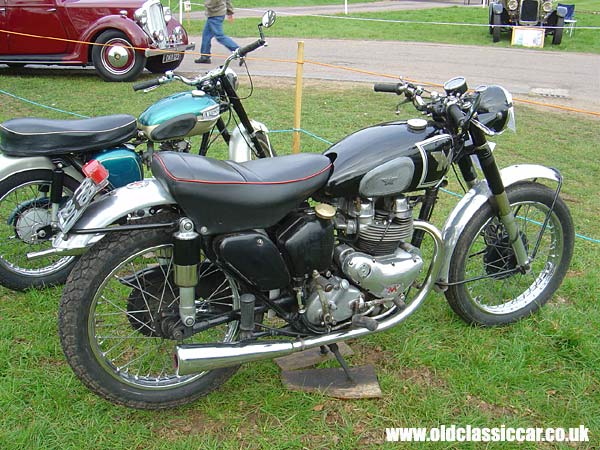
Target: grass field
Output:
[(433, 370), (381, 27)]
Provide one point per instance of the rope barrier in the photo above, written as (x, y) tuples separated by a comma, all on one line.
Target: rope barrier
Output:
[(291, 130)]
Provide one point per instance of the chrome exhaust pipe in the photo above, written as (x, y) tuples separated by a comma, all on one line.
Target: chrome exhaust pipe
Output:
[(195, 358)]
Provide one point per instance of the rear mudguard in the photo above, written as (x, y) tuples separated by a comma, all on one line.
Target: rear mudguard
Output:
[(477, 197), (10, 165), (135, 198)]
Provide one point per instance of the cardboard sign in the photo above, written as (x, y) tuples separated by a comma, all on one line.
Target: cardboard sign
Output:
[(528, 37)]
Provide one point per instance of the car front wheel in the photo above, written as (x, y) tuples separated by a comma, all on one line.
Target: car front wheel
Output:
[(558, 31), (496, 22), (115, 59)]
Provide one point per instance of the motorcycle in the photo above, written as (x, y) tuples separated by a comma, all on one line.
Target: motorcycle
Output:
[(44, 161), (336, 246)]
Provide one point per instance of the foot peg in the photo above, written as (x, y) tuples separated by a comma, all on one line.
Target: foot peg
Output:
[(364, 322)]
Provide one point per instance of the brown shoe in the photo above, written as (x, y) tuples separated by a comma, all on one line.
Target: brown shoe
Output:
[(203, 60)]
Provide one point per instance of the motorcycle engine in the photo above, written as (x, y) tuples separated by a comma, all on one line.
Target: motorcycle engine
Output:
[(380, 263)]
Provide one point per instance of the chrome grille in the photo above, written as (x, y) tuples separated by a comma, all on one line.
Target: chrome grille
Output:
[(156, 24), (529, 11)]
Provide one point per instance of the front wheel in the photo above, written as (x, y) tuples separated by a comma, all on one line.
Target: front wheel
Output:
[(496, 22), (25, 218), (119, 320), (484, 289), (115, 59), (558, 31)]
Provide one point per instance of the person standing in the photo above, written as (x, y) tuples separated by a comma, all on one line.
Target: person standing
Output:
[(213, 27)]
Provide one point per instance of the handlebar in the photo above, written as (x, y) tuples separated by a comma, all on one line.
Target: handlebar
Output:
[(197, 81), (146, 84), (456, 115), (393, 88), (436, 105), (243, 51)]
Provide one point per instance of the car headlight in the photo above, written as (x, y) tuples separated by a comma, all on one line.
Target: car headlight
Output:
[(513, 4), (141, 16), (547, 7), (168, 14), (178, 33)]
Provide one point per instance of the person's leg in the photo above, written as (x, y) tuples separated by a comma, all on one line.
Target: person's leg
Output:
[(217, 31), (207, 36)]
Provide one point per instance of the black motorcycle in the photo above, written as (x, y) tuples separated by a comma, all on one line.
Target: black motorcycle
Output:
[(334, 244)]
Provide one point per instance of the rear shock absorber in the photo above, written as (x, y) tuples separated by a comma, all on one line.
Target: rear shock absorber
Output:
[(186, 258)]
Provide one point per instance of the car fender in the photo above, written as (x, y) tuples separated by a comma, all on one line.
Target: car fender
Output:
[(134, 33), (477, 197), (10, 165), (136, 197)]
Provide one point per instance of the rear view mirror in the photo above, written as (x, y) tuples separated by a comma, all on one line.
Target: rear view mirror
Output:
[(268, 18)]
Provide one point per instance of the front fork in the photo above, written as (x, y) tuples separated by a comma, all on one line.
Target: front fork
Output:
[(492, 175)]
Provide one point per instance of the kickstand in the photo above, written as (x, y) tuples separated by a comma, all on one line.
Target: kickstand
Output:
[(336, 351)]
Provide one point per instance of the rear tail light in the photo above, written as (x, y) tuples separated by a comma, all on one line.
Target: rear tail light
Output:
[(96, 171)]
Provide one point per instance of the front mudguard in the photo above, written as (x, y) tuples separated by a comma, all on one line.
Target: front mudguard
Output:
[(477, 197), (239, 144), (135, 198), (10, 165)]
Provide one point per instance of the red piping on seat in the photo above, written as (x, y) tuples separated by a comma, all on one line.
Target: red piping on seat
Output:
[(173, 177)]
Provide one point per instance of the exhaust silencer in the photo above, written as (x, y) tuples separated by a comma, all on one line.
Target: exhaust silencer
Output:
[(195, 358)]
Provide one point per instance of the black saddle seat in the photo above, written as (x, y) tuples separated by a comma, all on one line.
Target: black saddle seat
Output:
[(225, 196), (44, 137)]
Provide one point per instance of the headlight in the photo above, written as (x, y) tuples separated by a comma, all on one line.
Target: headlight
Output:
[(178, 33), (141, 16), (513, 4), (495, 111), (168, 14), (547, 7)]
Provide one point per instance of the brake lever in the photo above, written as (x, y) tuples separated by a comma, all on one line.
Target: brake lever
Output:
[(403, 102)]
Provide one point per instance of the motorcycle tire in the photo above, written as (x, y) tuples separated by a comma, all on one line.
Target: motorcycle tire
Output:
[(265, 143), (495, 296), (24, 210), (115, 316)]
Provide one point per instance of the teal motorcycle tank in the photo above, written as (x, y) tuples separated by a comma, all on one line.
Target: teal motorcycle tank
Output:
[(180, 115)]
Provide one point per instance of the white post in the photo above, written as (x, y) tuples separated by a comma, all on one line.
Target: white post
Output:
[(346, 7), (180, 11)]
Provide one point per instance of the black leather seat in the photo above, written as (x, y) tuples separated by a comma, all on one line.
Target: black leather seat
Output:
[(225, 196), (43, 137)]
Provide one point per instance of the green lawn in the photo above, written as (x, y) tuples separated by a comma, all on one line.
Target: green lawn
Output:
[(382, 29), (433, 369)]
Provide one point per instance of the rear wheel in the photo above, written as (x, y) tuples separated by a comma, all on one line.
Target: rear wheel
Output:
[(558, 31), (119, 320), (25, 213), (492, 293)]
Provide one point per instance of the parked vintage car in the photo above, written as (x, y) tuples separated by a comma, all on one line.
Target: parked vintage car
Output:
[(115, 27), (527, 13)]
